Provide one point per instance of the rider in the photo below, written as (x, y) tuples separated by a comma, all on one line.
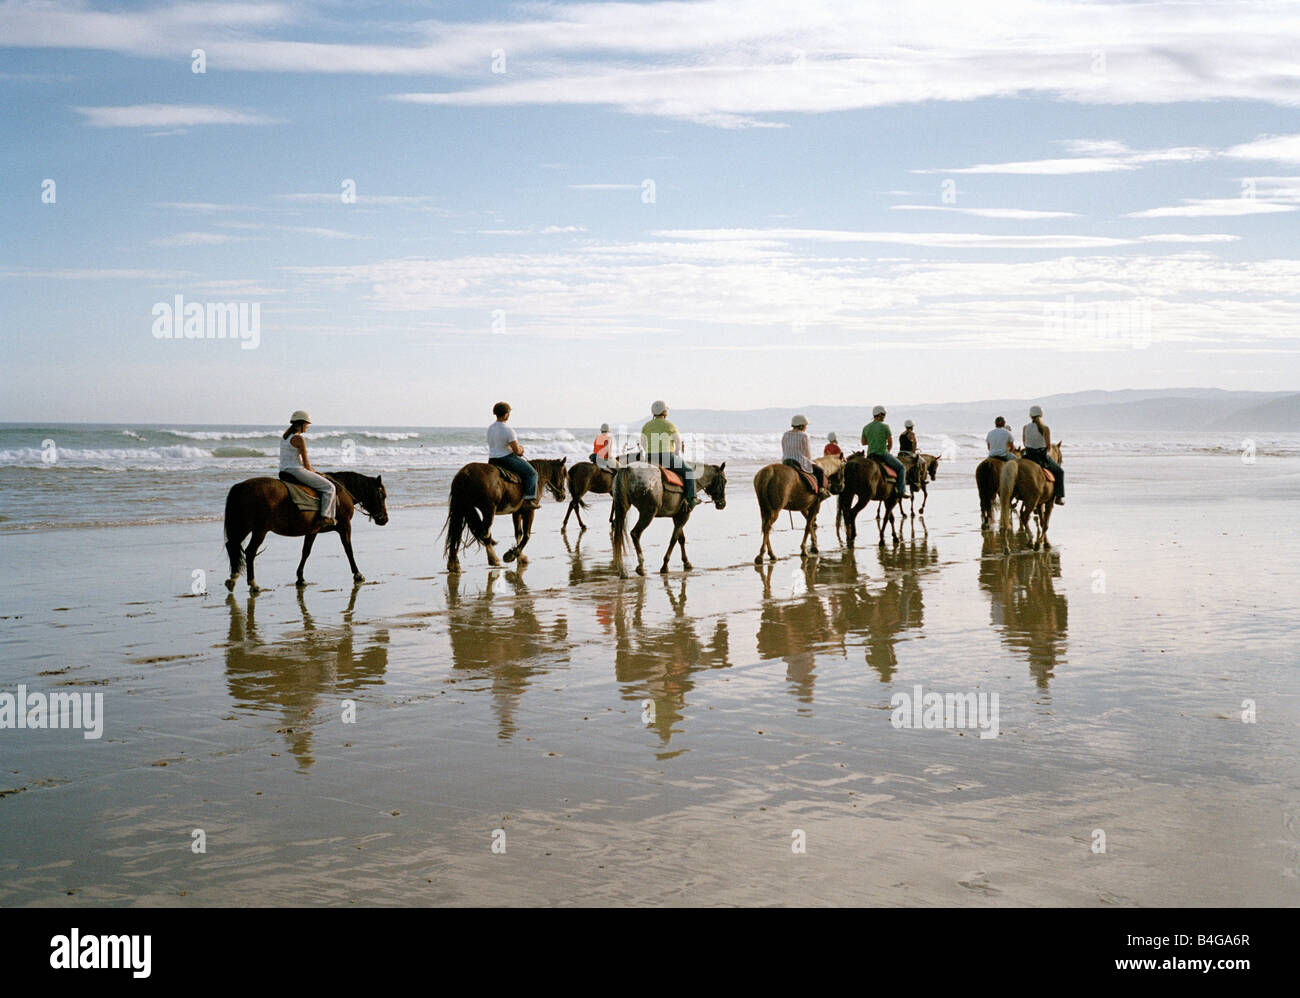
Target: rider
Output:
[(999, 441), (832, 447), (601, 449), (662, 445), (797, 453), (878, 438), (907, 442), (293, 460), (505, 451), (1037, 437)]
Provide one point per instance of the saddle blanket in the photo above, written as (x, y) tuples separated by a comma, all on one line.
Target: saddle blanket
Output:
[(304, 497), (507, 475)]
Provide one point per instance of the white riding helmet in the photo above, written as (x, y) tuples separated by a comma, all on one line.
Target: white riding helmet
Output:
[(300, 416), (878, 411), (908, 424), (1035, 410), (831, 436), (604, 427), (658, 408), (799, 421)]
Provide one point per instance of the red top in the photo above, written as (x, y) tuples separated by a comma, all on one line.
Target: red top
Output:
[(833, 450), (601, 447)]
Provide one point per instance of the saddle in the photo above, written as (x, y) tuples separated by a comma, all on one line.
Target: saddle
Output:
[(1046, 474), (304, 497), (508, 475), (672, 480), (885, 469)]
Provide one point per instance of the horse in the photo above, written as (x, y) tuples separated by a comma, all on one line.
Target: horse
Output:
[(988, 473), (262, 505), (919, 468), (779, 486), (641, 486), (866, 481), (584, 477), (1024, 479), (478, 493)]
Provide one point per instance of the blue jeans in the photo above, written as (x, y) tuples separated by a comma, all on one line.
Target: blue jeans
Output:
[(1039, 456), (678, 465), (515, 463), (897, 465)]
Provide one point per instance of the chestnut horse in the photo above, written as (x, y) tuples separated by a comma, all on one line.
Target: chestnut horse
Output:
[(478, 493), (866, 481), (1025, 480), (919, 468), (587, 476), (262, 505), (779, 486), (641, 486)]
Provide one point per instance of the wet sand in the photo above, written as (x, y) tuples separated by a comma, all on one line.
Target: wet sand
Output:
[(517, 701)]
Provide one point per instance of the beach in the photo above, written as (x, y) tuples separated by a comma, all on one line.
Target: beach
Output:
[(558, 736)]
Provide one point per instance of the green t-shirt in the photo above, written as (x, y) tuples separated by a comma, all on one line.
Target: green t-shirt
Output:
[(657, 437), (877, 434)]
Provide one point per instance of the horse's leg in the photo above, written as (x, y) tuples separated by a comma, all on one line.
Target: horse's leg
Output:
[(644, 516), (764, 527), (250, 552), (307, 543), (812, 524), (234, 538), (672, 542), (345, 535), (925, 497), (681, 540), (772, 517), (1047, 518), (803, 541), (523, 530)]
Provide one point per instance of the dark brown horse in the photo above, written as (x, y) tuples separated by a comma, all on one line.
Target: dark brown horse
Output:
[(919, 468), (779, 486), (865, 481), (263, 505), (479, 493), (988, 473), (584, 477), (641, 486)]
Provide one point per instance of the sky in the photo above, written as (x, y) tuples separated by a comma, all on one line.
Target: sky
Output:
[(579, 208)]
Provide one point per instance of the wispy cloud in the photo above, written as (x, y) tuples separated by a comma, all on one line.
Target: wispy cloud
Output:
[(1094, 156), (1020, 213), (168, 116), (1214, 208)]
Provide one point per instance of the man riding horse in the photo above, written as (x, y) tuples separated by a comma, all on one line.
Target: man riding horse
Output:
[(662, 445), (878, 438)]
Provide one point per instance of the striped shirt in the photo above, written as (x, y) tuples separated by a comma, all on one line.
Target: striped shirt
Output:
[(794, 447)]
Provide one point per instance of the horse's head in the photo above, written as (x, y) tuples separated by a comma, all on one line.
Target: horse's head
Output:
[(376, 503), (553, 477), (715, 484), (933, 468), (1055, 452), (835, 479)]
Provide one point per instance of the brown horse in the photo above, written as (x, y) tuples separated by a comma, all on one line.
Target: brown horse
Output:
[(263, 505), (1025, 480), (479, 493), (584, 477), (865, 481), (641, 486), (779, 486), (988, 473), (919, 468)]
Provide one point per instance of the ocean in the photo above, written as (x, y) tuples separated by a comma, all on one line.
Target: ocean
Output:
[(85, 475)]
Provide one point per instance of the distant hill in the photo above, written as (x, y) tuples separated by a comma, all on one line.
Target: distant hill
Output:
[(1134, 409)]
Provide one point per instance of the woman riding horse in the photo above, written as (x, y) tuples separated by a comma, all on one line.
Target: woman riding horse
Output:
[(294, 464)]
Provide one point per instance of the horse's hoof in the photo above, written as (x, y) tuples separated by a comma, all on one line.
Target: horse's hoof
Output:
[(511, 555), (254, 587), (814, 550), (300, 583), (687, 566), (640, 570), (759, 559), (230, 583), (358, 577), (453, 568), (663, 569), (523, 559)]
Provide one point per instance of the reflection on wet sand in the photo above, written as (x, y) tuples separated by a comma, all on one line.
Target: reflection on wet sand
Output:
[(507, 647), (289, 674), (654, 661), (823, 603), (1025, 606)]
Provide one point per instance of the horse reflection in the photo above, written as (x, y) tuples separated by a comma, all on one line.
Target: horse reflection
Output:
[(500, 638), (887, 613), (294, 671), (797, 624), (655, 661), (1025, 606)]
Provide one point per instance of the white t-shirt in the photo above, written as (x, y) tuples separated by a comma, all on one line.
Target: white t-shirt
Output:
[(999, 439), (1033, 435), (500, 436)]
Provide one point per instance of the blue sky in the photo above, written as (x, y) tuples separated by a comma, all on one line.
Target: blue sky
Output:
[(850, 204)]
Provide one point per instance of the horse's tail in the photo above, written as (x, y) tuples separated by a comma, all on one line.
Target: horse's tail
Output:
[(1006, 488), (231, 533), (462, 513), (618, 491)]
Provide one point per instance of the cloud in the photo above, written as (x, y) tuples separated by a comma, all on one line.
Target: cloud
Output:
[(196, 239), (421, 202), (549, 230), (946, 240), (1213, 208), (732, 63), (168, 115), (604, 187), (1022, 213), (1096, 156), (1278, 148)]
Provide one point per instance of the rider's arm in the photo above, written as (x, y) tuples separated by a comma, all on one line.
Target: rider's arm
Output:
[(889, 444), (301, 444), (516, 448), (1047, 437)]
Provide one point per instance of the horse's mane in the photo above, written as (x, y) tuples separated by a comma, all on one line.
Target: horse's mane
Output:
[(351, 482)]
